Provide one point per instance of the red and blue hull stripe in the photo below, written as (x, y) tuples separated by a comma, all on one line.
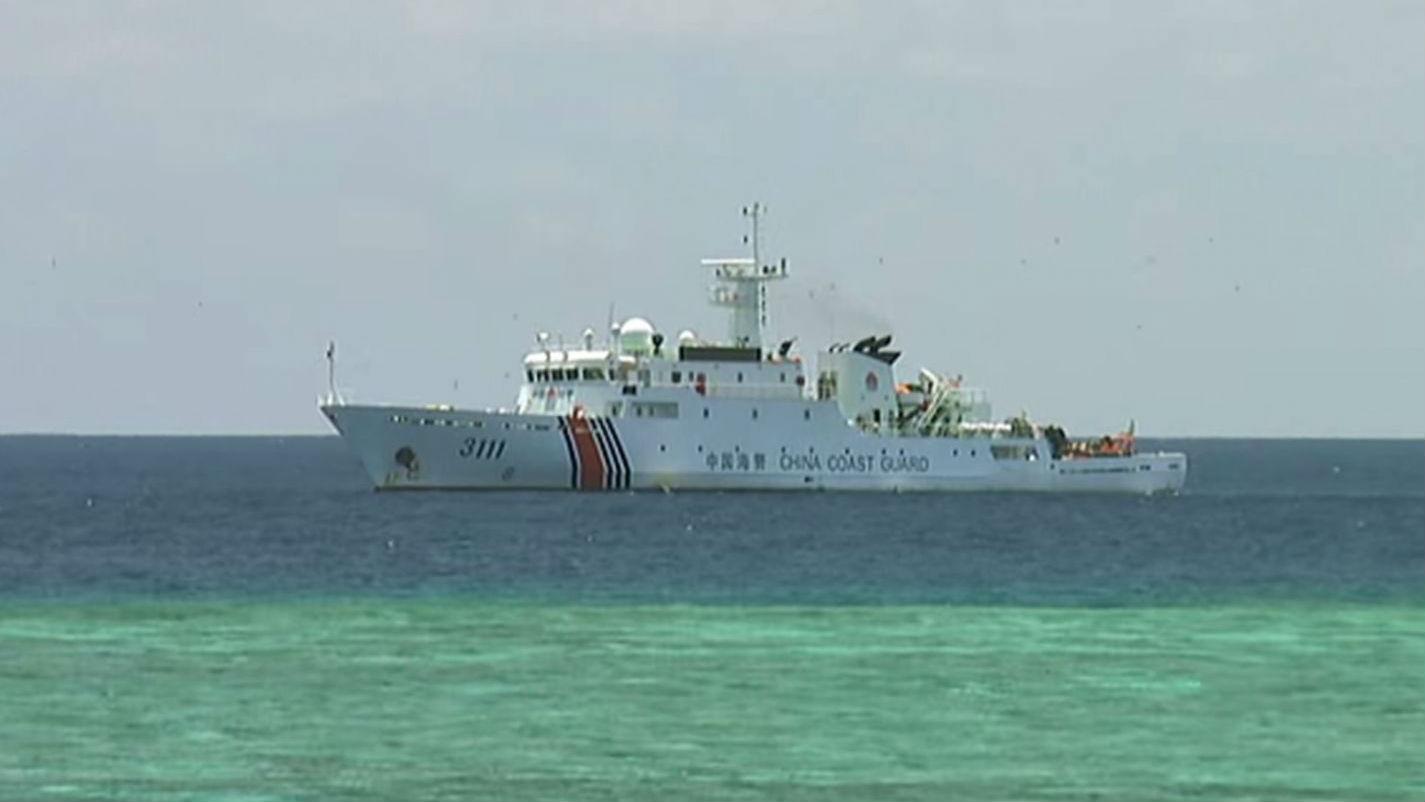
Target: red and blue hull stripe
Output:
[(597, 459)]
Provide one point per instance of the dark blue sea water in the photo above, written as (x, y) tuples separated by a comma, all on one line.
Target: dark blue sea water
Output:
[(244, 619), (98, 517)]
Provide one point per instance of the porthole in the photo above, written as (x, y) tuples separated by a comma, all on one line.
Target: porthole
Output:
[(806, 414), (705, 412), (754, 414)]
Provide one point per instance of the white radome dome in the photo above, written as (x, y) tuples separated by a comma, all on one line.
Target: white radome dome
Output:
[(687, 337), (635, 336)]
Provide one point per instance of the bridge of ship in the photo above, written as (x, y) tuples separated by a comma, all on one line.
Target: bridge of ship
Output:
[(638, 373)]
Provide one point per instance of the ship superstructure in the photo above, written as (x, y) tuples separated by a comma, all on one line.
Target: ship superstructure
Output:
[(641, 410)]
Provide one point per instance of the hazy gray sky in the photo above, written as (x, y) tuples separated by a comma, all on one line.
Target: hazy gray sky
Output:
[(1209, 216)]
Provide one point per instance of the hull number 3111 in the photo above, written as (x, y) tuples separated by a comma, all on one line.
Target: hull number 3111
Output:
[(482, 448)]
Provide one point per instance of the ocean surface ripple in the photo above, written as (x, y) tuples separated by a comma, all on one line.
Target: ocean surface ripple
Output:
[(244, 619)]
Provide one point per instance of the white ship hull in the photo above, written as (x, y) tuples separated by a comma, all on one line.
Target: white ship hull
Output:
[(745, 445)]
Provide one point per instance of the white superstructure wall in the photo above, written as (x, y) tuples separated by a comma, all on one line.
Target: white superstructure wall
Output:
[(864, 387)]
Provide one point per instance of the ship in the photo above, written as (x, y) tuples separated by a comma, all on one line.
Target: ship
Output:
[(640, 411)]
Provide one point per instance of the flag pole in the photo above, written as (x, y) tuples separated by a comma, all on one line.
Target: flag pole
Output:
[(331, 372)]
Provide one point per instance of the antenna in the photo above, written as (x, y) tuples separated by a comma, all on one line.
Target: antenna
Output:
[(755, 213), (740, 283)]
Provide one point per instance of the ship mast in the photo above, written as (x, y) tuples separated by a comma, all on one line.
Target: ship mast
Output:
[(740, 284), (754, 213)]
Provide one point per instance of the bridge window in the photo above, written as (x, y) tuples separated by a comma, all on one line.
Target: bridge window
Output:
[(677, 377), (593, 374), (542, 374), (655, 409)]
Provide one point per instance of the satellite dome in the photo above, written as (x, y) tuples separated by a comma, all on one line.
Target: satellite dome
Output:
[(635, 336), (687, 337), (635, 324)]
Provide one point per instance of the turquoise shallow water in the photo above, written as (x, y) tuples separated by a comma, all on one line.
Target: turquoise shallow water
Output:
[(460, 699)]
